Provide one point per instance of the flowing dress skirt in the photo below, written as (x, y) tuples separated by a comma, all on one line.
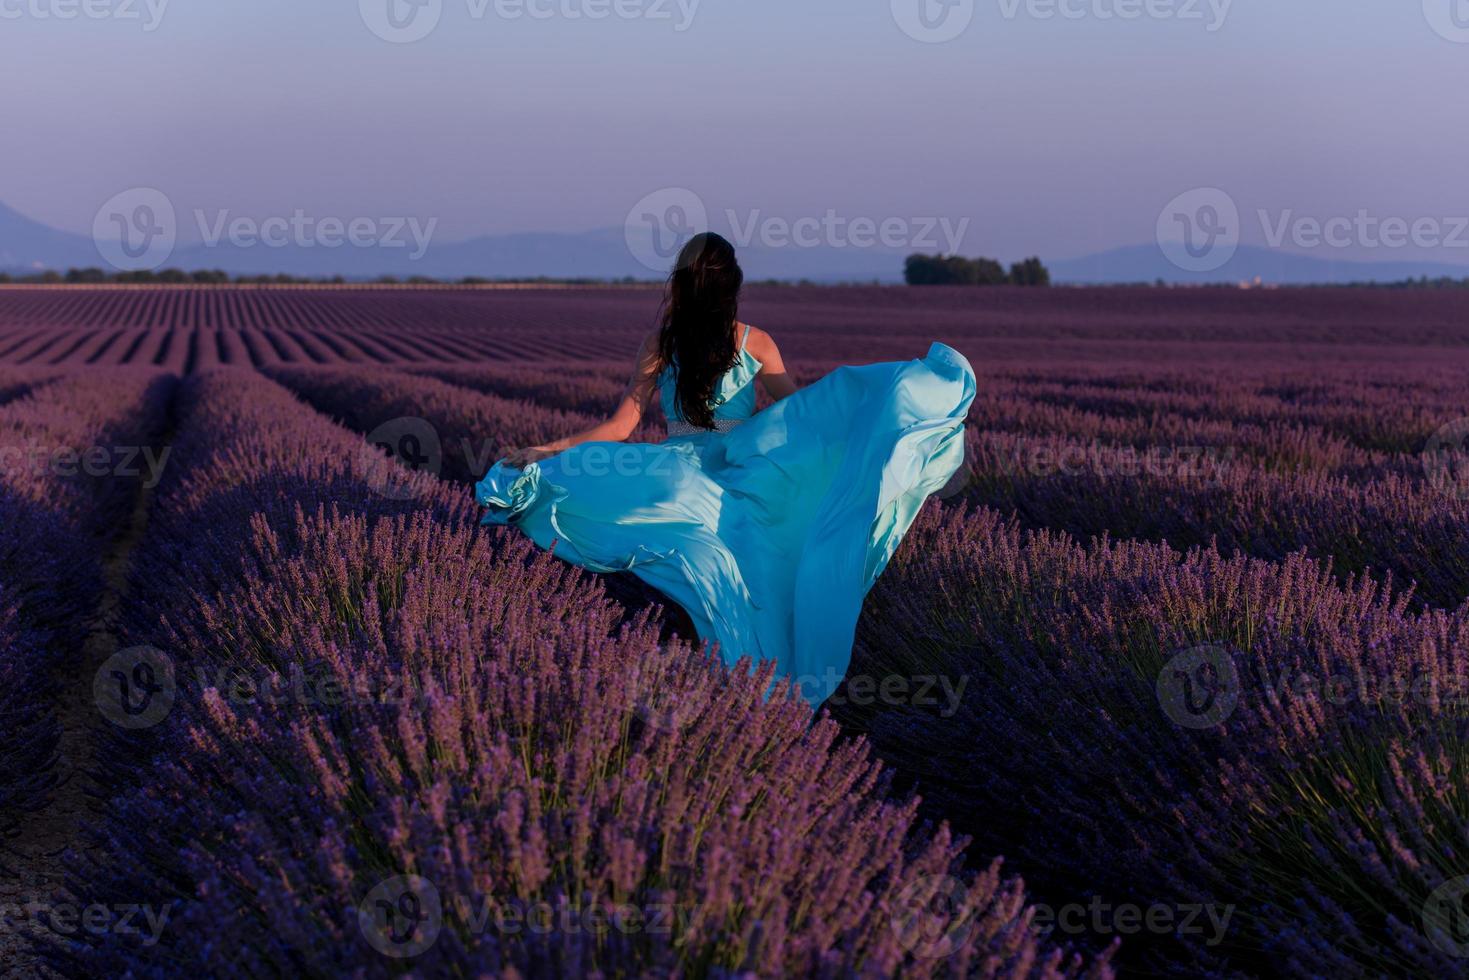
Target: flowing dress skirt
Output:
[(771, 534)]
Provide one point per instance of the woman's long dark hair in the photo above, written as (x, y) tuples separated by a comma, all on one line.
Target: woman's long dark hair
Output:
[(700, 310)]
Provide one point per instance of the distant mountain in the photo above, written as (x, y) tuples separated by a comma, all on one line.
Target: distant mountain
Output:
[(1147, 263), (599, 254), (595, 255), (28, 245)]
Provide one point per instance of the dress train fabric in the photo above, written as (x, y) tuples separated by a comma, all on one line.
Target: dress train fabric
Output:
[(769, 534)]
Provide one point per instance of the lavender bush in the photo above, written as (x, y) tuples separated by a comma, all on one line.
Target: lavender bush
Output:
[(473, 429), (592, 389), (1375, 411), (59, 509), (17, 382), (30, 731), (1320, 802), (253, 450), (496, 746), (390, 742), (1394, 525)]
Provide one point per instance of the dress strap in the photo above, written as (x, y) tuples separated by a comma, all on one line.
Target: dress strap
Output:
[(745, 336)]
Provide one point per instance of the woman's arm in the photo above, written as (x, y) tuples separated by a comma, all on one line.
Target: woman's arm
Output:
[(773, 375), (623, 423)]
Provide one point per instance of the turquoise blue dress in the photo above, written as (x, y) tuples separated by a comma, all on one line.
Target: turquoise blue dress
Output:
[(770, 530)]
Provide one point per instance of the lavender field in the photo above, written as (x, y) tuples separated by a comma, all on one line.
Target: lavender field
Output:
[(1175, 683)]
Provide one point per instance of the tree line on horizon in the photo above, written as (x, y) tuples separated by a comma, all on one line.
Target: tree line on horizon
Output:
[(919, 270), (955, 270)]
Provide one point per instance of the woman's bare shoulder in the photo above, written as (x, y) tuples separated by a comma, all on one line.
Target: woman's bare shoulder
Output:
[(648, 361), (648, 348), (759, 342)]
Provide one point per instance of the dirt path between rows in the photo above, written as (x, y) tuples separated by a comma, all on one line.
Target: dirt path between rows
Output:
[(30, 859)]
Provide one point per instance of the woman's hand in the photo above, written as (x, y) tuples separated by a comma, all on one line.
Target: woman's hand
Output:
[(640, 393), (521, 458)]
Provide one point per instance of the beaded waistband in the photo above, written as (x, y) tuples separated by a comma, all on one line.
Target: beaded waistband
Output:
[(677, 428)]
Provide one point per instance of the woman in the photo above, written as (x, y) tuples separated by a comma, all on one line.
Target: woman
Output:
[(769, 528)]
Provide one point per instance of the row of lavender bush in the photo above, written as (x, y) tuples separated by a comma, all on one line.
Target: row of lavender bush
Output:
[(1358, 424), (1267, 467), (16, 382), (1397, 525), (70, 464), (469, 429), (1268, 462), (1327, 464), (503, 780), (591, 389), (472, 429), (1144, 729), (1383, 410)]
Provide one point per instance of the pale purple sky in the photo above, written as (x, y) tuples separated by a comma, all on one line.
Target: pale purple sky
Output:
[(1056, 135)]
